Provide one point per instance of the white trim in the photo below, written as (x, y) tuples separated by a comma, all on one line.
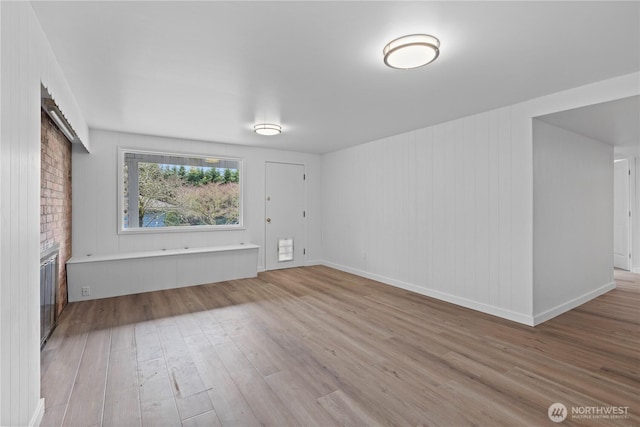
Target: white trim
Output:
[(36, 418), (464, 302), (179, 229), (571, 304), (182, 229), (625, 261), (634, 204)]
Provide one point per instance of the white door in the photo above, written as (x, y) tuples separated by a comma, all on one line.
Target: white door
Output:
[(621, 218), (285, 216)]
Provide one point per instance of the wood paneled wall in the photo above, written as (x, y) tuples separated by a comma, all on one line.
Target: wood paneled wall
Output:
[(26, 62), (447, 210), (438, 210)]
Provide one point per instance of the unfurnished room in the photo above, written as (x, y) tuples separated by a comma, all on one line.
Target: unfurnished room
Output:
[(319, 213)]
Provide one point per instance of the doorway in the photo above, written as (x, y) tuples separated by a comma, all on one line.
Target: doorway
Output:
[(615, 123), (285, 235)]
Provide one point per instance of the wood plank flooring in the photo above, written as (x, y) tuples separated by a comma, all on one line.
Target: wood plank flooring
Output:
[(315, 346)]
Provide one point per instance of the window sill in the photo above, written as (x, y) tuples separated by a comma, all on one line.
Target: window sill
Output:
[(186, 229)]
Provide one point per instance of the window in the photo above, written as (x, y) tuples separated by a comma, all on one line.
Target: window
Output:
[(169, 192)]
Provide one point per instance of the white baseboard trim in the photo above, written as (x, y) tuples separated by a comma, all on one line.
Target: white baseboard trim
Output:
[(311, 263), (443, 296), (571, 304), (36, 418), (636, 270)]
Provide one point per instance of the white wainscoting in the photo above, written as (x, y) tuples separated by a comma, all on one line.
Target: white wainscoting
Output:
[(130, 273)]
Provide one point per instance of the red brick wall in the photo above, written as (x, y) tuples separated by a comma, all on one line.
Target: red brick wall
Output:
[(55, 198)]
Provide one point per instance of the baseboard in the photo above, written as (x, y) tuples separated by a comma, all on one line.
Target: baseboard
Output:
[(262, 268), (443, 296), (636, 270), (571, 304), (36, 419)]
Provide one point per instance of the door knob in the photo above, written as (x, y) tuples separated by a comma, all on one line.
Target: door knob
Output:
[(268, 220)]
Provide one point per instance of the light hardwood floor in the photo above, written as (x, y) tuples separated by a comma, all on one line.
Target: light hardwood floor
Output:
[(314, 346)]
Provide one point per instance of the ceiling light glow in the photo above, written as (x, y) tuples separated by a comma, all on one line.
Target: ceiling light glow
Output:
[(267, 129), (412, 51)]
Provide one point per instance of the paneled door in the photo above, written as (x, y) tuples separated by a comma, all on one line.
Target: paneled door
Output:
[(285, 216)]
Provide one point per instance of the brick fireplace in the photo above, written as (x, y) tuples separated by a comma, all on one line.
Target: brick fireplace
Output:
[(55, 200)]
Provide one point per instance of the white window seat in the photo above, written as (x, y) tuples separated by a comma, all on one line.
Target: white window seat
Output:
[(109, 275)]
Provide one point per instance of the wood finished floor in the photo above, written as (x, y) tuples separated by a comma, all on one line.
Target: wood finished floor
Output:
[(314, 346)]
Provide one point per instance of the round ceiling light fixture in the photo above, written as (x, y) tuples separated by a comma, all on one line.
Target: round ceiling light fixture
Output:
[(267, 129), (412, 51)]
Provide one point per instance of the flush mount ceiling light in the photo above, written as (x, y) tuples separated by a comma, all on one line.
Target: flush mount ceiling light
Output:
[(413, 51), (267, 129)]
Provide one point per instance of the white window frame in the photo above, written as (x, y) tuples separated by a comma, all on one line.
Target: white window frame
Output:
[(175, 229)]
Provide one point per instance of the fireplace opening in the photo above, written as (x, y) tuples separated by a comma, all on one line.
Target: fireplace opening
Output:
[(49, 262)]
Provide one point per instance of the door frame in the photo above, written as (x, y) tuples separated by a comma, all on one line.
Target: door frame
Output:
[(629, 250), (634, 208), (304, 199)]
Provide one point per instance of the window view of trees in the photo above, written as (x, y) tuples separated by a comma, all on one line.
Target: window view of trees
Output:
[(171, 195)]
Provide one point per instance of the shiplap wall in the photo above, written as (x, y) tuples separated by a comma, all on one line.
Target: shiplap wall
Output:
[(572, 219), (95, 197), (447, 210), (26, 61), (440, 210)]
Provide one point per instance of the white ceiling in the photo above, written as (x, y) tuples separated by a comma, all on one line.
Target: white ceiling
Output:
[(210, 70), (616, 122)]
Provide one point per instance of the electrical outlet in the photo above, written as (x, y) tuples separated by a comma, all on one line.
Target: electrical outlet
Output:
[(86, 291)]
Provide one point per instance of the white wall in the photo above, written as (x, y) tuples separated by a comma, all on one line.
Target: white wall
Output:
[(456, 220), (572, 219), (441, 211), (26, 61), (95, 198)]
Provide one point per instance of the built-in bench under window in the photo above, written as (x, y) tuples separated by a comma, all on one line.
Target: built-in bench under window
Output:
[(108, 275)]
